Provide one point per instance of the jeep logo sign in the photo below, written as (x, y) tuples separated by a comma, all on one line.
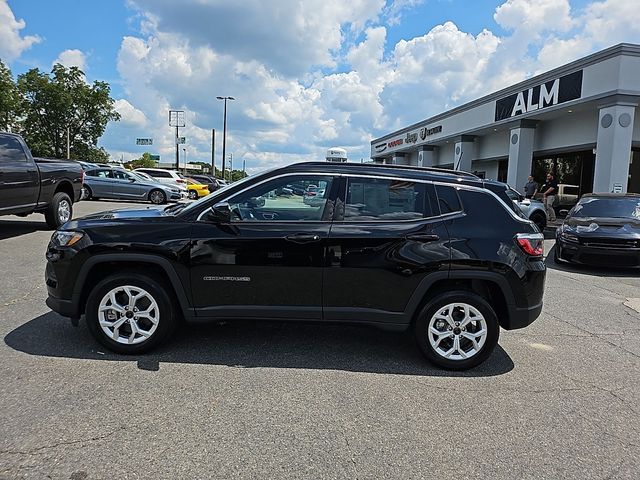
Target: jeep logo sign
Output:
[(553, 92)]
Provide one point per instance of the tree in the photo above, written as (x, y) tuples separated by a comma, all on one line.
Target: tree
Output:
[(143, 162), (9, 99), (62, 102)]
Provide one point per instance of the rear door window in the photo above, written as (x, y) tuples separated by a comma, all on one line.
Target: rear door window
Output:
[(11, 151), (373, 199)]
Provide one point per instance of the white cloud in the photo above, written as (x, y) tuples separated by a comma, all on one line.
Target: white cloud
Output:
[(72, 58), (129, 115), (534, 16), (317, 73), (12, 44)]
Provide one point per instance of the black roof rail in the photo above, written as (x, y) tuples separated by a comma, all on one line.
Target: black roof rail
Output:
[(427, 169)]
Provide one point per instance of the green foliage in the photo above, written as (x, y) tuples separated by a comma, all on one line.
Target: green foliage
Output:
[(236, 175), (9, 99), (143, 162), (53, 103)]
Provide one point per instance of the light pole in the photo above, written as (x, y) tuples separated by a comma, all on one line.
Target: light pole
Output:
[(184, 150), (224, 131)]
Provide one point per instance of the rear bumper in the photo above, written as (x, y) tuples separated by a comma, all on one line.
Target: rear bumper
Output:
[(521, 317)]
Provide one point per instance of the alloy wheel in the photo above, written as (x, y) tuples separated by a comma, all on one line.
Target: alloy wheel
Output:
[(128, 314), (64, 211), (457, 331)]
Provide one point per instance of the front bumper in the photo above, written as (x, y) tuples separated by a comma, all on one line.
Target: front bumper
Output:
[(604, 257)]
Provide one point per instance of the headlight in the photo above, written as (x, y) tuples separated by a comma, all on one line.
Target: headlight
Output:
[(63, 238)]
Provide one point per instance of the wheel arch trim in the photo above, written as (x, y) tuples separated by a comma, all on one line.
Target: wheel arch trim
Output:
[(163, 263)]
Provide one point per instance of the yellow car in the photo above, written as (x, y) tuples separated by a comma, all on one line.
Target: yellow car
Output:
[(196, 189)]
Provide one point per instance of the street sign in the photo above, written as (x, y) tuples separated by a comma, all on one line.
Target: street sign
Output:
[(181, 140), (176, 118), (155, 158), (144, 141)]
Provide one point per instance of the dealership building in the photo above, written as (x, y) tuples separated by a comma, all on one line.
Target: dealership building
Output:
[(577, 120)]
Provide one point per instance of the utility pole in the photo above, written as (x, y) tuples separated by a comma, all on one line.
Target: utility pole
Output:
[(244, 168), (224, 131), (68, 145), (213, 152)]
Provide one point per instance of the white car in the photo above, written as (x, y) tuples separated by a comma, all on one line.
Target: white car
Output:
[(169, 177)]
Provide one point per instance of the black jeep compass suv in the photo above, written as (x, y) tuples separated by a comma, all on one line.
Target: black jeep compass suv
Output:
[(440, 252)]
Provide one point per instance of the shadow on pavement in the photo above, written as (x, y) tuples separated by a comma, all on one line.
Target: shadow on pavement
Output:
[(17, 228), (251, 344)]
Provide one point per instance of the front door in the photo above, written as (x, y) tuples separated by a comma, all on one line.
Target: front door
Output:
[(19, 178), (268, 262), (386, 239), (124, 185)]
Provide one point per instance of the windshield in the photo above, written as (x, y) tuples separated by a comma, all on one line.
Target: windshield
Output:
[(140, 177), (623, 207)]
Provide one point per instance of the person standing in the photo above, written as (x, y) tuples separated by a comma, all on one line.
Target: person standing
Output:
[(549, 192), (530, 188)]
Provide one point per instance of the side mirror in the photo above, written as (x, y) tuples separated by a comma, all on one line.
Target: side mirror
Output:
[(220, 213)]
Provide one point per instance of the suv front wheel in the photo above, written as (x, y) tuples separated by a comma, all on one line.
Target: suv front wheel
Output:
[(129, 313), (457, 330)]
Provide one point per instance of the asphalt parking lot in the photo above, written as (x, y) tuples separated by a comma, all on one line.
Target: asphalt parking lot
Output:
[(560, 399)]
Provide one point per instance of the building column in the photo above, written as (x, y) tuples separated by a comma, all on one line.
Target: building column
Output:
[(427, 156), (399, 158), (613, 151), (464, 153), (521, 140)]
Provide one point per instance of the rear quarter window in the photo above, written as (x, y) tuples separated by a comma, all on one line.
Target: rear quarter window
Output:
[(484, 208), (448, 199)]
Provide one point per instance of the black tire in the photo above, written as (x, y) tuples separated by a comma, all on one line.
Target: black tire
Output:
[(88, 193), (166, 315), (59, 211), (193, 195), (539, 219), (439, 303), (157, 197)]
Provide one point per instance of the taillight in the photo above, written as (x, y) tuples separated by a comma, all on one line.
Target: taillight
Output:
[(531, 243)]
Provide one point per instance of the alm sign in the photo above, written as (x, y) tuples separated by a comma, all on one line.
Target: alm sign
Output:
[(553, 92)]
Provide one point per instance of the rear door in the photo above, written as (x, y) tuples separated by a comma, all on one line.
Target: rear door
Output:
[(386, 239), (268, 262), (19, 178), (100, 181), (125, 186)]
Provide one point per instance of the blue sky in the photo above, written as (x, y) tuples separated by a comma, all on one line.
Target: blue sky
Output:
[(307, 74)]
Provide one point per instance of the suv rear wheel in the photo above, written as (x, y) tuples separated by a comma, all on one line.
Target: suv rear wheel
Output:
[(129, 313), (457, 330)]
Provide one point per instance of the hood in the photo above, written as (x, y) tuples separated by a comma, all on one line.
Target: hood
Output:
[(604, 226), (126, 214)]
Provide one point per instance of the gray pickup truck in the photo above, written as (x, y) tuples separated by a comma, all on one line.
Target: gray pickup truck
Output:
[(29, 185)]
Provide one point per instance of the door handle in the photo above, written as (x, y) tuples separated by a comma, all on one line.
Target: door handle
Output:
[(422, 237), (302, 238)]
